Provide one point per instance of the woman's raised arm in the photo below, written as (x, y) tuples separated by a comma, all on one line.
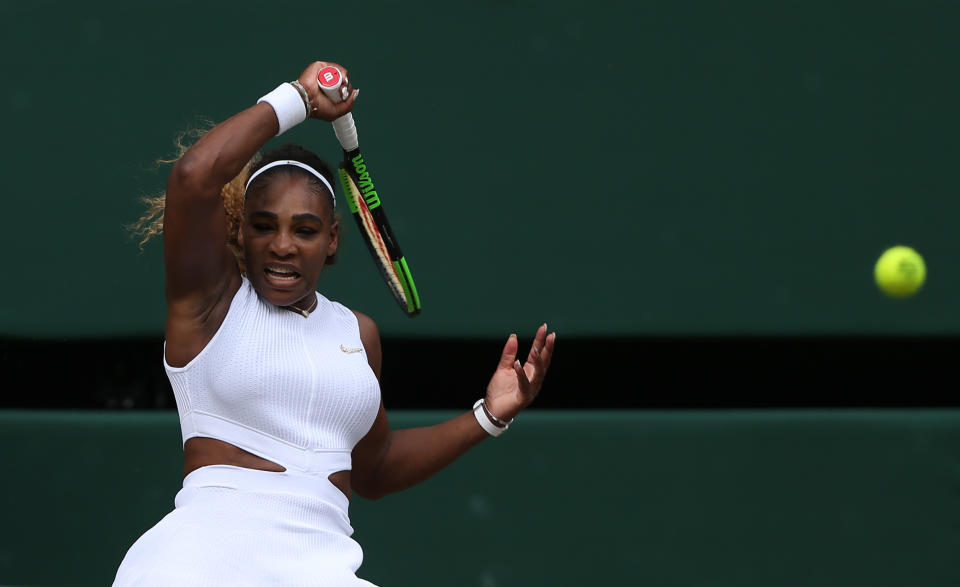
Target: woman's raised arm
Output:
[(201, 271), (198, 264)]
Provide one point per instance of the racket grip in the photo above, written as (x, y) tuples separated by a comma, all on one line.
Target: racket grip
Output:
[(334, 86), (346, 132)]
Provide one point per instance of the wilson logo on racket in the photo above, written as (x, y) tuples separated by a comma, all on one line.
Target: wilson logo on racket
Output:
[(365, 183)]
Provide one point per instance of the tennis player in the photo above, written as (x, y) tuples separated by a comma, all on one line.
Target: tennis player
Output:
[(277, 387)]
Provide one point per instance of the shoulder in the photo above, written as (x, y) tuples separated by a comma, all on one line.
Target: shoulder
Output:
[(370, 336), (369, 332)]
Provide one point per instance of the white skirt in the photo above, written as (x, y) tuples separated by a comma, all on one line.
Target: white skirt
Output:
[(234, 526)]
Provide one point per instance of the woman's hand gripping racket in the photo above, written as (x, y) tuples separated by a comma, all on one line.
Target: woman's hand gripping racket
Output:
[(365, 202)]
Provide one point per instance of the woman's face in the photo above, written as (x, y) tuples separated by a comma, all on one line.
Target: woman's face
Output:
[(287, 234)]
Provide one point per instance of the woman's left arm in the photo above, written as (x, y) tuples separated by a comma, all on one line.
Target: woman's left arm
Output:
[(386, 461)]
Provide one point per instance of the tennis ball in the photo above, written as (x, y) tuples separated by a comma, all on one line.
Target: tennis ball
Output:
[(900, 272)]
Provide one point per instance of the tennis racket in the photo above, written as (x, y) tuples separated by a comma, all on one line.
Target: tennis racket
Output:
[(365, 201)]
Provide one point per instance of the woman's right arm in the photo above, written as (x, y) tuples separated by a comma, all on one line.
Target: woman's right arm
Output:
[(201, 271), (199, 266)]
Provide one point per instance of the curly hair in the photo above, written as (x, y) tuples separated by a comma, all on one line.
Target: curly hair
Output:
[(150, 224)]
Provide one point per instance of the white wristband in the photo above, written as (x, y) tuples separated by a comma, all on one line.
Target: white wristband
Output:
[(480, 413), (288, 105)]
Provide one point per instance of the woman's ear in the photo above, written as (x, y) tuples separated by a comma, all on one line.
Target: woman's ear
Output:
[(334, 243), (334, 238)]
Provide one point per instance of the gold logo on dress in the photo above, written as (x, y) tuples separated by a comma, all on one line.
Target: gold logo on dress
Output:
[(348, 351)]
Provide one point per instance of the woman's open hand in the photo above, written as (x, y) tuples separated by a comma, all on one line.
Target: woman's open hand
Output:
[(514, 386)]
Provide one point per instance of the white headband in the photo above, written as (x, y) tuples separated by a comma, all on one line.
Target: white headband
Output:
[(295, 164)]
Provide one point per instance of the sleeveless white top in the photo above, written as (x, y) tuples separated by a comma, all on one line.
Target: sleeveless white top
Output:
[(296, 391)]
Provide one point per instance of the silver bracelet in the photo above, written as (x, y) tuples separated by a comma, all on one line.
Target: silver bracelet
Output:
[(483, 416), (304, 95), (496, 420)]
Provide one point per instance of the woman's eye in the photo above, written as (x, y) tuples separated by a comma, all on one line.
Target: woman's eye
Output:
[(306, 231), (262, 227)]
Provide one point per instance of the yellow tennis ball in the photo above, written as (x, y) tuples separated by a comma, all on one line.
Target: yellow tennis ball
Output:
[(900, 272)]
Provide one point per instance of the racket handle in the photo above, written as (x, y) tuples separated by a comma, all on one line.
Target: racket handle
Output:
[(334, 85)]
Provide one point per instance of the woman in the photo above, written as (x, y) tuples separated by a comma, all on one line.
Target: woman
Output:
[(277, 387)]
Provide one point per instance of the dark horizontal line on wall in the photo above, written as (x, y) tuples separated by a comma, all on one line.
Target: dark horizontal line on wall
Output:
[(587, 373)]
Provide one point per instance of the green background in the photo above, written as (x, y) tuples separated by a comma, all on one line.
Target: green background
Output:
[(714, 498), (650, 168)]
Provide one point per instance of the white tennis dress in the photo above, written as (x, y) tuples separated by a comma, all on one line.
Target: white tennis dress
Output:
[(296, 391)]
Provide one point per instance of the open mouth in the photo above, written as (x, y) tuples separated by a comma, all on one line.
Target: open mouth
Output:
[(281, 273)]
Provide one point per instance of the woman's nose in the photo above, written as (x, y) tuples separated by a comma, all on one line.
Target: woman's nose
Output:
[(282, 245)]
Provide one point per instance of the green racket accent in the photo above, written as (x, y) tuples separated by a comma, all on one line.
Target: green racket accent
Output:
[(347, 189), (408, 286), (365, 183), (406, 281), (378, 237)]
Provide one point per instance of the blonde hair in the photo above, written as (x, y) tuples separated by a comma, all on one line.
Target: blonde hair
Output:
[(150, 224)]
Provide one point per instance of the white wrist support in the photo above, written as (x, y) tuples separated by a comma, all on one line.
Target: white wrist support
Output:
[(480, 413), (288, 105)]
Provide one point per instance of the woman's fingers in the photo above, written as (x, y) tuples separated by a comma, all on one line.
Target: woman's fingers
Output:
[(509, 355), (546, 354), (322, 106), (509, 394), (541, 352), (538, 342), (314, 68), (523, 383)]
